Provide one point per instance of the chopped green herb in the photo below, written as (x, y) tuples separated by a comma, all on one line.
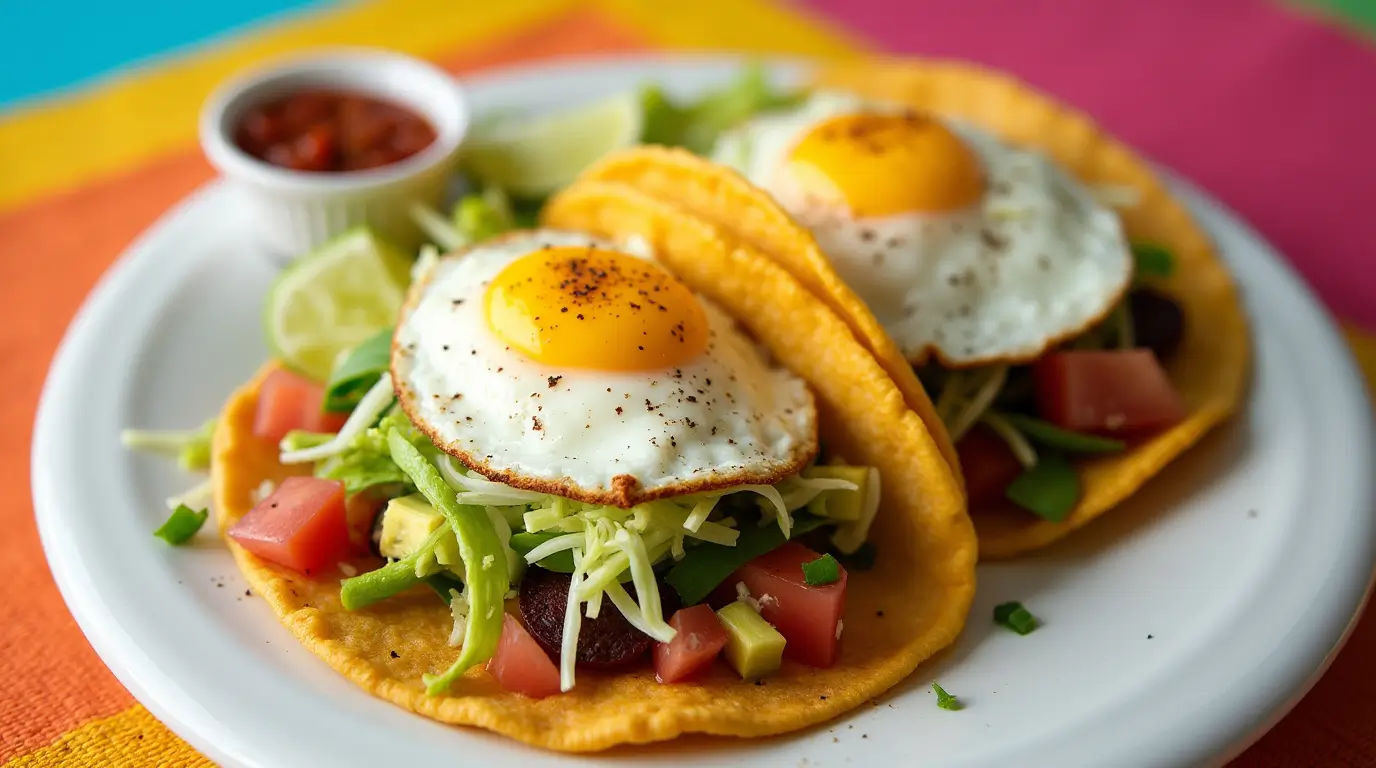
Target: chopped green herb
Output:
[(822, 571), (181, 525), (946, 700), (707, 565), (358, 372), (1048, 490), (1153, 260), (1050, 435), (1015, 617)]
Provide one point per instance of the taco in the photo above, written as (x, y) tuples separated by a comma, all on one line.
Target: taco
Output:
[(1068, 317), (603, 454)]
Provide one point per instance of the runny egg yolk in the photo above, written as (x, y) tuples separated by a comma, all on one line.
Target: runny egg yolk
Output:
[(587, 307), (885, 164)]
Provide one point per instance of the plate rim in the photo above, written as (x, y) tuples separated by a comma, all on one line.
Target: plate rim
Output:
[(133, 668)]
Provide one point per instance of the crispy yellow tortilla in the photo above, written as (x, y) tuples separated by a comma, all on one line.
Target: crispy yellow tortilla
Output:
[(1210, 369), (912, 604)]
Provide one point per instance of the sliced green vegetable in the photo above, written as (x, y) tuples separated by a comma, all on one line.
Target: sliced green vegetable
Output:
[(358, 372), (191, 448), (391, 579), (1153, 260), (1048, 434), (946, 700), (1048, 490), (822, 571), (706, 566), (482, 216), (181, 525), (297, 439), (1015, 617), (754, 648), (485, 572)]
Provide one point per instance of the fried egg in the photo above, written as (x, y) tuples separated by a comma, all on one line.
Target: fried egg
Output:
[(964, 247), (557, 362)]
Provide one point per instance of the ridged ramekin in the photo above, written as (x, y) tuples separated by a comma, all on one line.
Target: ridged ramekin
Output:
[(295, 211)]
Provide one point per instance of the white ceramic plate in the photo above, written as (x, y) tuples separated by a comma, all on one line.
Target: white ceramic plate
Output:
[(1177, 629)]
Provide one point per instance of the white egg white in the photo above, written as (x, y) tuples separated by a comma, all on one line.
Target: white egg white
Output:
[(1035, 261), (727, 417)]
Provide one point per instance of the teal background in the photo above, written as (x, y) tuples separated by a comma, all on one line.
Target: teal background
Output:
[(48, 45)]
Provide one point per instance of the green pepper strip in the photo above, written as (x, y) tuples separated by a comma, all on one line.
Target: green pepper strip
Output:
[(484, 560), (391, 579)]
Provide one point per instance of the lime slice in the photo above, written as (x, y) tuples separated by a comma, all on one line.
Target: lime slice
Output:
[(333, 299), (534, 156)]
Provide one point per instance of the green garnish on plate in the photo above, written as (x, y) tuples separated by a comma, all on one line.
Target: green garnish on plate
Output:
[(181, 525), (1152, 260), (1015, 617), (946, 700)]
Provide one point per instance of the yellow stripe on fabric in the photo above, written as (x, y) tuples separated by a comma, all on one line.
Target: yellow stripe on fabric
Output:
[(747, 26), (55, 145), (131, 738)]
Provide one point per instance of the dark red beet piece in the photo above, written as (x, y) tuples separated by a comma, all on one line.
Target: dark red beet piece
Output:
[(607, 642), (1158, 323)]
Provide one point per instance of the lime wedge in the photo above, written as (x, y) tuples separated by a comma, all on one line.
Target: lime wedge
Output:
[(534, 156), (332, 299)]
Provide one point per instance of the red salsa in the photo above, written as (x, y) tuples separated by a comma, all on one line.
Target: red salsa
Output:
[(332, 131)]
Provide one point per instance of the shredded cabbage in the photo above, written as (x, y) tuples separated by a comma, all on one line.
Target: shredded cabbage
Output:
[(369, 410), (573, 624)]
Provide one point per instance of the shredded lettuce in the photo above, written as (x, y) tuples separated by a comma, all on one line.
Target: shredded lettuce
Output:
[(372, 406), (696, 125), (367, 462), (191, 448), (966, 395)]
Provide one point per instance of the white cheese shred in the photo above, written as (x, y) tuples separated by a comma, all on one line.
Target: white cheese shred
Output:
[(573, 624)]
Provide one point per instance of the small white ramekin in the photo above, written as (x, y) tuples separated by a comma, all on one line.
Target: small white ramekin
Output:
[(295, 211)]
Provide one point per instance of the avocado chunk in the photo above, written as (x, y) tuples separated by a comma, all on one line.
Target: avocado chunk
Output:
[(407, 522), (754, 648), (839, 504)]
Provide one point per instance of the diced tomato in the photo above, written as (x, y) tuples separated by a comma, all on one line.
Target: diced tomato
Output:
[(808, 617), (289, 401), (988, 464), (520, 664), (300, 525), (700, 638), (1112, 391)]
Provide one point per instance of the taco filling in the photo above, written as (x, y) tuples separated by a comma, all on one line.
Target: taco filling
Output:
[(993, 248), (1008, 284), (588, 487), (566, 423)]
